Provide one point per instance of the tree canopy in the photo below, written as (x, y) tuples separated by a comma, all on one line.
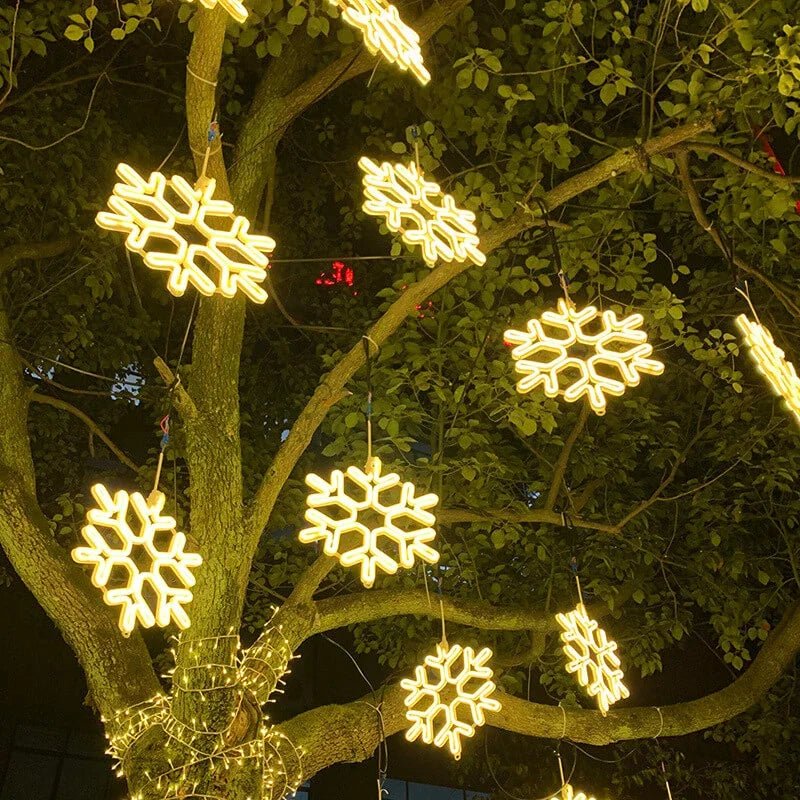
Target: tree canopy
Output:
[(645, 149)]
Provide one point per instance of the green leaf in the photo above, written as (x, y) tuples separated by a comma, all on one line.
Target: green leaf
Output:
[(597, 77), (608, 93), (117, 33), (88, 43), (498, 538), (74, 33), (481, 79), (785, 84), (464, 77), (296, 15), (91, 13)]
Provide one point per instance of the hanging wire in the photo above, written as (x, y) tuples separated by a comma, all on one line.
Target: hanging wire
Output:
[(666, 781), (573, 565), (164, 425), (549, 795), (383, 747), (551, 233), (366, 340)]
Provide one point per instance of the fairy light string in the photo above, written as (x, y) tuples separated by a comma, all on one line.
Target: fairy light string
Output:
[(195, 749)]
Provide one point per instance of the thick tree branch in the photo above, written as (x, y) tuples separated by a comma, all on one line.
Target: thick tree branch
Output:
[(88, 422), (337, 612), (360, 728), (448, 516), (35, 250), (767, 174), (332, 387), (359, 61), (781, 292), (118, 669)]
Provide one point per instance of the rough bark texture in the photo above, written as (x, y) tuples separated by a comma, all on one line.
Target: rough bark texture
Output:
[(227, 531)]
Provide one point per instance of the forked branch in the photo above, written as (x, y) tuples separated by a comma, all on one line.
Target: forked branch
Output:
[(361, 725)]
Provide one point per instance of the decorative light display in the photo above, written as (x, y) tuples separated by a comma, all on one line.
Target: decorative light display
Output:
[(551, 353), (151, 212), (449, 696), (421, 212), (592, 657), (339, 275), (771, 362), (136, 559), (385, 33), (234, 7), (398, 533), (568, 793), (207, 666)]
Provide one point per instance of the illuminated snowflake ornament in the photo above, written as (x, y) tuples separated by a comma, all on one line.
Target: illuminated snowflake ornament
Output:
[(234, 7), (592, 657), (385, 33), (138, 555), (559, 354), (771, 362), (421, 212), (370, 519), (216, 241), (449, 696), (568, 793)]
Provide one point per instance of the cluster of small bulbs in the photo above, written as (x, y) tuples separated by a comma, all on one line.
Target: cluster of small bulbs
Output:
[(209, 665)]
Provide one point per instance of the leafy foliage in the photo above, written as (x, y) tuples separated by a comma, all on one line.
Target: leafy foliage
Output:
[(524, 96)]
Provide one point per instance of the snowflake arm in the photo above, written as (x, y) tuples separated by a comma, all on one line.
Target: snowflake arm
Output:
[(440, 706), (235, 8), (385, 33), (337, 516), (421, 212), (150, 555), (592, 657), (545, 357), (151, 213), (771, 363), (568, 793)]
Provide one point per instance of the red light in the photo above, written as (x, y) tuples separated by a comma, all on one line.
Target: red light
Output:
[(340, 275), (777, 167)]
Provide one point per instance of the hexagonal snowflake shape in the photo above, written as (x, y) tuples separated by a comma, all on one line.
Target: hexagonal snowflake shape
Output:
[(399, 530), (592, 657), (771, 363), (183, 230), (385, 33), (421, 212), (138, 561), (449, 696), (559, 354), (568, 793)]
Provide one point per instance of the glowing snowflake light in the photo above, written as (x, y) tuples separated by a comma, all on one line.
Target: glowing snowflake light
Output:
[(399, 531), (771, 362), (449, 696), (421, 212), (549, 354), (151, 213), (592, 657), (568, 793), (234, 7), (385, 33), (135, 560)]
